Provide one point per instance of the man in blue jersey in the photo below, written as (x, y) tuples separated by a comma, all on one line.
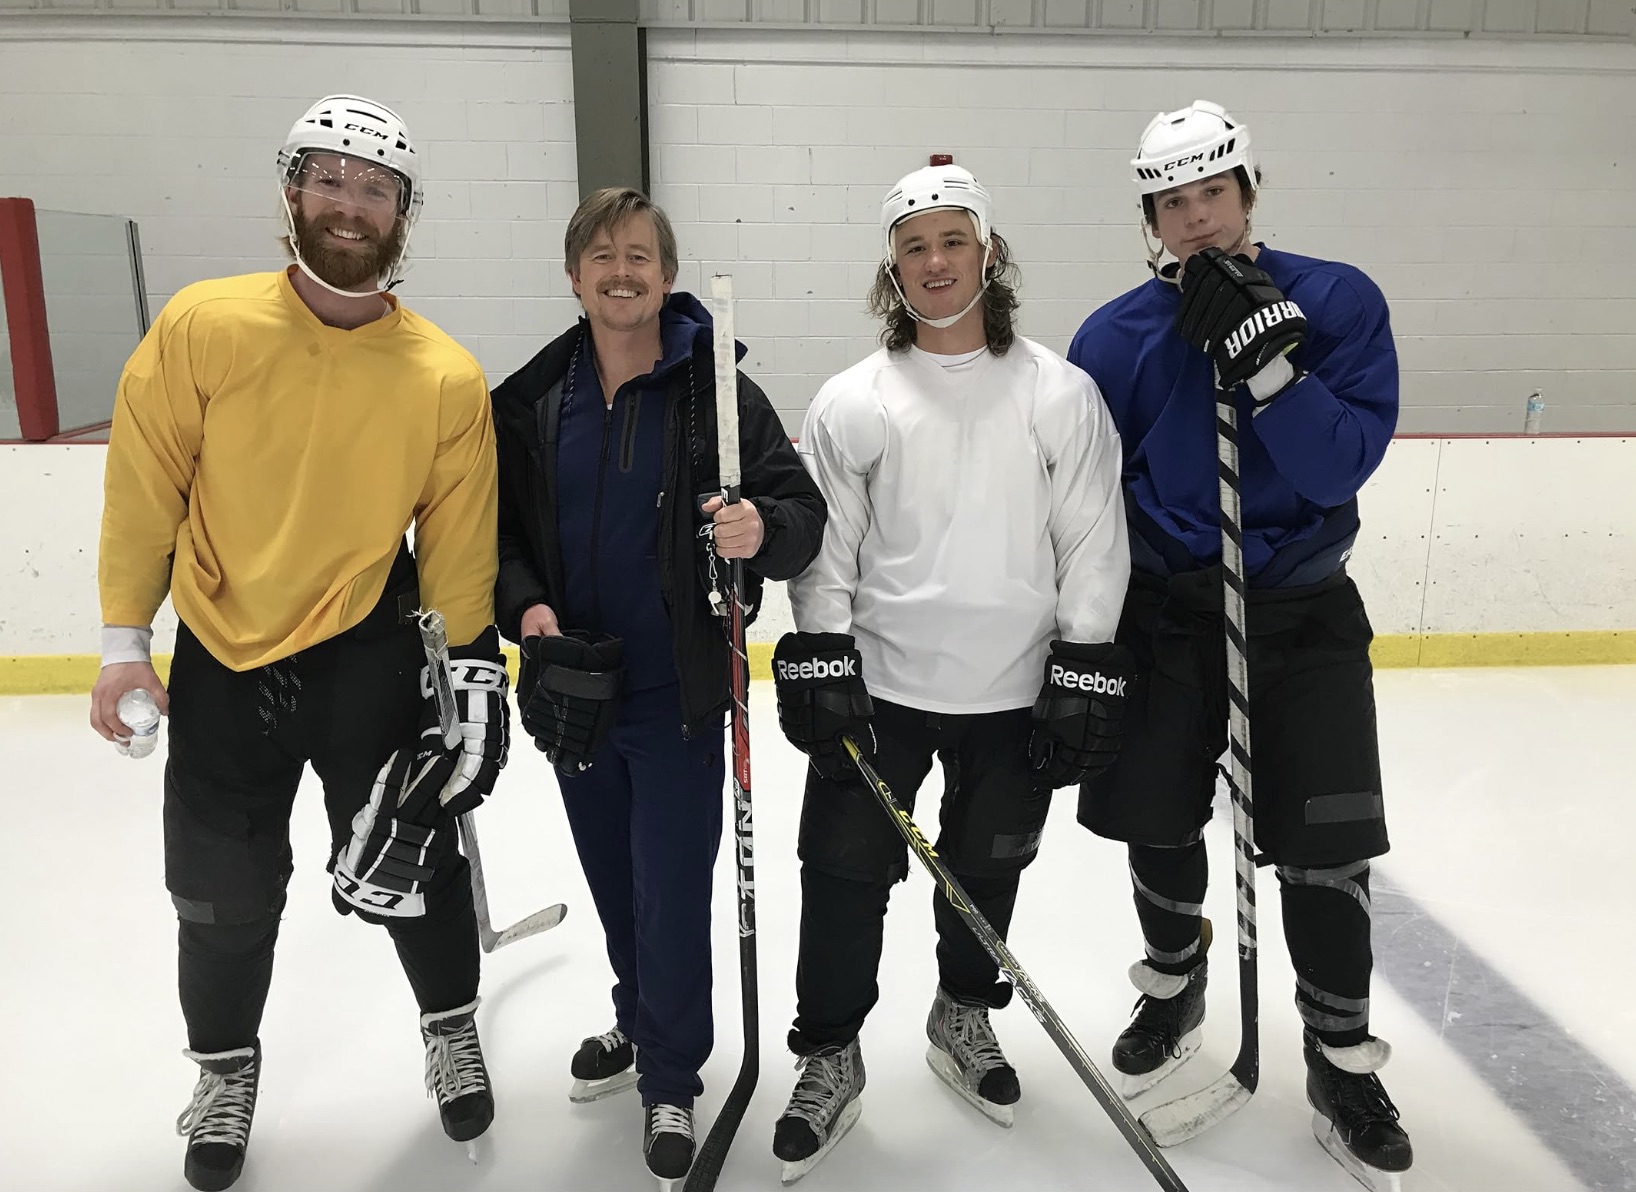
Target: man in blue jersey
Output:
[(1305, 346)]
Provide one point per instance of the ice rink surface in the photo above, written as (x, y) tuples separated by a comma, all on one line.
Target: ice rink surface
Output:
[(1504, 974)]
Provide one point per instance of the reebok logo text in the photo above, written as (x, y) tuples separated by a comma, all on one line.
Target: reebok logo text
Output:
[(1096, 684), (820, 668)]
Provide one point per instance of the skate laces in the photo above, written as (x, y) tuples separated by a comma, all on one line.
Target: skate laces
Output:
[(1363, 1098), (454, 1064), (222, 1105), (670, 1119), (612, 1040), (970, 1030), (823, 1079), (1159, 1020)]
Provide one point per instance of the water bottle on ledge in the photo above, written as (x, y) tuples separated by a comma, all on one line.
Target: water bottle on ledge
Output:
[(1533, 413), (141, 715)]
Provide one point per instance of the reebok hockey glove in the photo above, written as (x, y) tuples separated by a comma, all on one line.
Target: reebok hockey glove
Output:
[(1080, 712), (1231, 310), (821, 698), (575, 701)]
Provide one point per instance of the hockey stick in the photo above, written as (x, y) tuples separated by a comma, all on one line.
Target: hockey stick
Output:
[(486, 935), (708, 1162), (1187, 1117), (1112, 1103), (434, 639)]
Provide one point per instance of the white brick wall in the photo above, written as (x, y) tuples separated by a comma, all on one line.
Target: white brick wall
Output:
[(178, 128), (1486, 188)]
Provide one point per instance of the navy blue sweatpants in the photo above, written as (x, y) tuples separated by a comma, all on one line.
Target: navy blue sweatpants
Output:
[(646, 819)]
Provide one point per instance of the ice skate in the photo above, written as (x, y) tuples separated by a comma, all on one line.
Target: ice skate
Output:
[(1353, 1118), (667, 1143), (1166, 1027), (604, 1065), (823, 1107), (216, 1122), (967, 1057), (456, 1075)]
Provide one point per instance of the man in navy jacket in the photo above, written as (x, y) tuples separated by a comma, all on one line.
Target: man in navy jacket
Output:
[(606, 440)]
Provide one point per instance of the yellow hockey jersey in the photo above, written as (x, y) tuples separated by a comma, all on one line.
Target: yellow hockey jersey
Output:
[(263, 468)]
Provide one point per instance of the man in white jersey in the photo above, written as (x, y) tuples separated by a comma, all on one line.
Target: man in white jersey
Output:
[(976, 541)]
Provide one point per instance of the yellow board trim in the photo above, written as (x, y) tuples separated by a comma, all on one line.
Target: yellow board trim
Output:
[(68, 674)]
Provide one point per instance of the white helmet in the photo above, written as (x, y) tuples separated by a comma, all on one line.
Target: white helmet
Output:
[(931, 188), (1198, 141), (356, 127), (359, 130)]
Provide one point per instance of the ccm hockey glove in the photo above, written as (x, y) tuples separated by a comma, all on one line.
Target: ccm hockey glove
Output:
[(1231, 310), (407, 828), (1080, 712), (821, 698)]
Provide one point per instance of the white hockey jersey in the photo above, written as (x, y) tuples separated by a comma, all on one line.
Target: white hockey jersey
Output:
[(975, 514)]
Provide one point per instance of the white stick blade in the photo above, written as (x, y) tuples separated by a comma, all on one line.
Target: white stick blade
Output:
[(537, 922), (1187, 1117)]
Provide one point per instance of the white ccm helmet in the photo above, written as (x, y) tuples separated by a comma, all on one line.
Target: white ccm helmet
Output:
[(360, 129), (1197, 141), (941, 185)]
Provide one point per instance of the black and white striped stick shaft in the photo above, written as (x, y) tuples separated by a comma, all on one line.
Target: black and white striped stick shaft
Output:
[(1247, 1067), (1238, 670), (1188, 1116)]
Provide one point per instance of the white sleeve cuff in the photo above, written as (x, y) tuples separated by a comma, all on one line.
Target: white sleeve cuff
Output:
[(126, 643), (1272, 379)]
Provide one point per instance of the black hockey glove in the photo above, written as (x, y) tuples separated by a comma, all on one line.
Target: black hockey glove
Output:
[(1231, 310), (575, 701), (407, 828), (821, 698), (1080, 712), (385, 868), (465, 773)]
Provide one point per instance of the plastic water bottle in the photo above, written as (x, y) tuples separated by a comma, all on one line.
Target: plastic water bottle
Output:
[(141, 716), (1535, 410)]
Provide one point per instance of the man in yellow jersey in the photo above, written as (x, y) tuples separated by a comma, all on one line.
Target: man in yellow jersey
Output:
[(274, 437)]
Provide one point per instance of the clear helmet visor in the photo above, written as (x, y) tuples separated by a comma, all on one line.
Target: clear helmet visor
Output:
[(354, 183)]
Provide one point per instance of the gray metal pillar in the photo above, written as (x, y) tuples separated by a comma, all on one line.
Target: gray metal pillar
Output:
[(610, 94)]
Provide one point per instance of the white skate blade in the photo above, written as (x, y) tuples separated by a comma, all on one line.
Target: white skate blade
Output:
[(1131, 1087), (586, 1091), (938, 1061), (848, 1119), (1187, 1117), (1372, 1178), (471, 1151)]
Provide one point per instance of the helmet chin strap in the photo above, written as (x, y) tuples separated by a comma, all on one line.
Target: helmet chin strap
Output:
[(393, 276), (946, 320)]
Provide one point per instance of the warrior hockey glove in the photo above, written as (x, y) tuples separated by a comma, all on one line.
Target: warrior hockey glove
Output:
[(575, 700), (821, 698), (1080, 711), (1231, 310)]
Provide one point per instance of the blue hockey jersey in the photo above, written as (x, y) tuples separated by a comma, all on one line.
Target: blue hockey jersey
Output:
[(1302, 458)]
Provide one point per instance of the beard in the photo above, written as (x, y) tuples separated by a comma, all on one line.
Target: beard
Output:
[(363, 263)]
